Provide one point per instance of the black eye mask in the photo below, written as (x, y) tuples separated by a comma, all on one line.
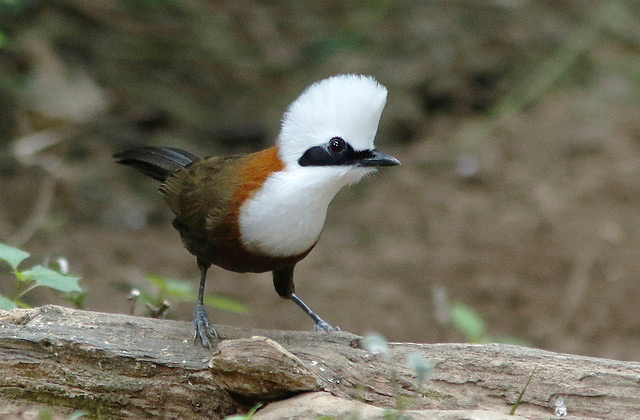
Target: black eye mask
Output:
[(335, 153)]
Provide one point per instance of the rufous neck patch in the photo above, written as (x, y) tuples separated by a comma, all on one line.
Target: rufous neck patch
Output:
[(253, 173), (257, 169)]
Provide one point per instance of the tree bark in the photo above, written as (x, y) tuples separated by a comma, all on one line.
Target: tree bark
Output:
[(118, 365)]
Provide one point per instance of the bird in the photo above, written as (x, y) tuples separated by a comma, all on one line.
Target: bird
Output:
[(265, 211)]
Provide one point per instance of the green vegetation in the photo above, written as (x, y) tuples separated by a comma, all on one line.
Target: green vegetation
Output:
[(47, 413), (519, 400), (181, 291), (38, 275), (376, 344), (248, 416), (474, 328), (157, 302)]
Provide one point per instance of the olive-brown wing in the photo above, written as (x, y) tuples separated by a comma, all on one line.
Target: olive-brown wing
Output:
[(199, 194)]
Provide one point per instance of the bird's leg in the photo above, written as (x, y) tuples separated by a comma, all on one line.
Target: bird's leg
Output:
[(202, 327), (283, 282), (321, 325)]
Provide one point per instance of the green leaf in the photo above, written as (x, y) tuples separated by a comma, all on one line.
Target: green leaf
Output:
[(519, 400), (6, 303), (13, 256), (175, 288), (77, 298), (180, 289), (21, 304), (468, 322), (47, 277), (248, 416), (45, 413), (226, 304), (148, 298), (158, 281)]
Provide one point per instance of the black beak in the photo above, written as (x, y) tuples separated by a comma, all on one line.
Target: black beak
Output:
[(375, 158)]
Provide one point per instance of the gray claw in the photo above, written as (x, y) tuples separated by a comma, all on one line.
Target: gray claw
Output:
[(325, 326), (202, 327)]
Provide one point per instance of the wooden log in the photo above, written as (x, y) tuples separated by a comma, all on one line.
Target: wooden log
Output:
[(122, 366)]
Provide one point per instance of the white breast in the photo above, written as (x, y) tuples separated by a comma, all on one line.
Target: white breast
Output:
[(286, 216)]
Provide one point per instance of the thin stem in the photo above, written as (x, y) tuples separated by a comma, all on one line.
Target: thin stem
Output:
[(39, 213), (23, 291)]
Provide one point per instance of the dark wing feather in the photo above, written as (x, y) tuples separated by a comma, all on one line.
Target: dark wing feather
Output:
[(157, 162)]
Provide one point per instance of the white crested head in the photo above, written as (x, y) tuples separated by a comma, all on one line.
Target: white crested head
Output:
[(346, 106), (326, 143)]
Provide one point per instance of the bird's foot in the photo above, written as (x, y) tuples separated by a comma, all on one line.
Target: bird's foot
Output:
[(322, 325), (202, 327)]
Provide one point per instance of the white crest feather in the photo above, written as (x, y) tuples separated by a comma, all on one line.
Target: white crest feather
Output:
[(286, 215), (347, 106)]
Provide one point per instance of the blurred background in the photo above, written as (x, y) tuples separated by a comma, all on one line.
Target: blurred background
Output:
[(517, 123)]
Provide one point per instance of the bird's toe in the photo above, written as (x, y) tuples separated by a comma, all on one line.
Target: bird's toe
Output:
[(202, 327), (325, 326)]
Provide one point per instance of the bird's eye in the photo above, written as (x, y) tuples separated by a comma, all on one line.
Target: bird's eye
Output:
[(336, 145)]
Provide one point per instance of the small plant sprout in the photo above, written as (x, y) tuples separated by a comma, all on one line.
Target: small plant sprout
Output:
[(63, 265), (469, 323), (421, 367), (134, 294), (376, 344), (160, 310), (36, 276), (560, 407), (474, 328), (248, 416), (519, 400)]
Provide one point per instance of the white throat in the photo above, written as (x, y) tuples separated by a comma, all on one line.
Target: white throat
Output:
[(286, 215)]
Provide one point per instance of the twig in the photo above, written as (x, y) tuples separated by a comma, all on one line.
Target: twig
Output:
[(28, 151), (578, 283), (39, 213)]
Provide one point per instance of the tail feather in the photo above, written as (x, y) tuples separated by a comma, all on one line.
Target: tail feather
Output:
[(156, 162)]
